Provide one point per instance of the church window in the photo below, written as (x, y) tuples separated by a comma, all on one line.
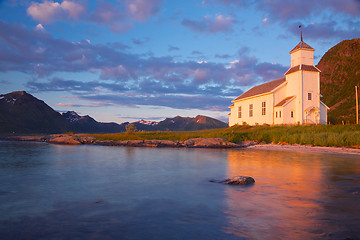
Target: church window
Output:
[(276, 114), (309, 96), (251, 108), (263, 108), (279, 114), (239, 112), (292, 114)]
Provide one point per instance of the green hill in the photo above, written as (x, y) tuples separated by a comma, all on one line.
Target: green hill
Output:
[(340, 73)]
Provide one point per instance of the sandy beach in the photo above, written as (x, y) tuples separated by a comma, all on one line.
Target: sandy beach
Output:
[(307, 148)]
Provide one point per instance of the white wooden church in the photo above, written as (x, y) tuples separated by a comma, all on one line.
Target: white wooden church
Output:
[(293, 99)]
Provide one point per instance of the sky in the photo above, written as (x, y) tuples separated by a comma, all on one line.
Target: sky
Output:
[(126, 60)]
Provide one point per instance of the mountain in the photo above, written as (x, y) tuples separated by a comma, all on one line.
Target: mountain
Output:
[(86, 124), (21, 112), (340, 73), (188, 124)]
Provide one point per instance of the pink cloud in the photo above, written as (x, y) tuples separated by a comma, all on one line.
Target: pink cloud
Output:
[(141, 10), (222, 24), (96, 104), (49, 11), (106, 13), (201, 75), (298, 9), (284, 10), (65, 104), (115, 72), (73, 9)]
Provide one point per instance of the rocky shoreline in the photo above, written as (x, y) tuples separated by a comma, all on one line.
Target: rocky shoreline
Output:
[(189, 143), (77, 140)]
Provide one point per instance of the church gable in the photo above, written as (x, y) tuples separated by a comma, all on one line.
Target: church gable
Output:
[(285, 101)]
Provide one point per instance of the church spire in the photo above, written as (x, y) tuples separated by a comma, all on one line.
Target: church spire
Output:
[(302, 44)]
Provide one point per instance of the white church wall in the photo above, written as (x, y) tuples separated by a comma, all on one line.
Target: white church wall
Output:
[(302, 57), (311, 86), (232, 117), (257, 111), (288, 117), (294, 89), (280, 94)]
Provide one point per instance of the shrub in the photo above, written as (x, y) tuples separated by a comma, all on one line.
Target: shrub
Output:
[(130, 128)]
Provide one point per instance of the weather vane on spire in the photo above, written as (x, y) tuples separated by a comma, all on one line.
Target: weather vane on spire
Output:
[(301, 32)]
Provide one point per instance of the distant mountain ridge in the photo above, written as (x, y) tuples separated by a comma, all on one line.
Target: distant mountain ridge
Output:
[(20, 112), (86, 124), (340, 73)]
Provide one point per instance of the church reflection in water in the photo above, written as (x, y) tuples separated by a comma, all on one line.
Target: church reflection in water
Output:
[(290, 198)]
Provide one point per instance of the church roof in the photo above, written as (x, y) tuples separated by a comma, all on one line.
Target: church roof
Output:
[(261, 89), (303, 67), (284, 101), (302, 45)]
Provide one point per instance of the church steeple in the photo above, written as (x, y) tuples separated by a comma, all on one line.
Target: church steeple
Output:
[(302, 54), (302, 44)]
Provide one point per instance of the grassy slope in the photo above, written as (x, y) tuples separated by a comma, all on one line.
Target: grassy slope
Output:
[(330, 135), (340, 73)]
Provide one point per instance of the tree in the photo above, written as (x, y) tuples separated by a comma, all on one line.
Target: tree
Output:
[(130, 128)]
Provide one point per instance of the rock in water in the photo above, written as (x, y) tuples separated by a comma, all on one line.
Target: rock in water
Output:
[(239, 180)]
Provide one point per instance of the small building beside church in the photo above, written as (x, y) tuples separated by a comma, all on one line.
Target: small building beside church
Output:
[(293, 99)]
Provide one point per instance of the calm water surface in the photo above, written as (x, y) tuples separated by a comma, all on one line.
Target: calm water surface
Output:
[(98, 192)]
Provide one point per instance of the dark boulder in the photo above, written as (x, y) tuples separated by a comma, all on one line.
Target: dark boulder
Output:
[(238, 180)]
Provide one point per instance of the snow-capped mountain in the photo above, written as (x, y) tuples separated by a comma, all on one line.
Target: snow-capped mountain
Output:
[(149, 123)]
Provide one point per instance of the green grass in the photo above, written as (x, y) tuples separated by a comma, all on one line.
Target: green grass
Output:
[(329, 135)]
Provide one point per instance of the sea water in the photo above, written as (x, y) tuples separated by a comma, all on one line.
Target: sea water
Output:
[(99, 192)]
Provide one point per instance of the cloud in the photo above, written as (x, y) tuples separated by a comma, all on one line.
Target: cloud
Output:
[(107, 13), (59, 84), (318, 16), (235, 2), (124, 77), (284, 10), (223, 56), (141, 10), (118, 16), (131, 118), (195, 52), (2, 81), (139, 41), (214, 103), (40, 27), (327, 30), (98, 104), (173, 48), (210, 25), (49, 11)]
